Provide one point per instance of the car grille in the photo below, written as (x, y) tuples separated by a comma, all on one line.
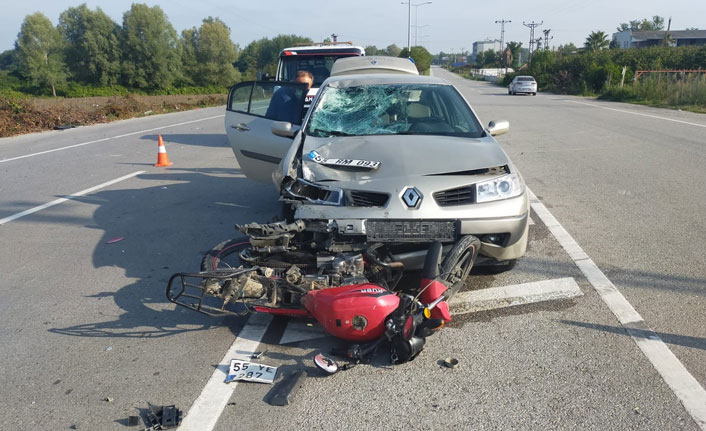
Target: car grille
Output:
[(411, 230), (367, 199), (458, 196)]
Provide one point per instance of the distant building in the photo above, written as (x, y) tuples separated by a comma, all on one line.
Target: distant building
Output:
[(641, 39), (484, 45)]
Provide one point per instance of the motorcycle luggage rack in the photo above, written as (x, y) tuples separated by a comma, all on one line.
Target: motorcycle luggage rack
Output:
[(190, 291)]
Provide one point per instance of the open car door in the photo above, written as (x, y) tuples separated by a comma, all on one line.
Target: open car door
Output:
[(251, 110)]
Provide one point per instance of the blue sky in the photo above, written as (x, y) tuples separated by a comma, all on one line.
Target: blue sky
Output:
[(448, 25)]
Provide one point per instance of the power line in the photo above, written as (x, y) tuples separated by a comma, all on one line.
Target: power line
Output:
[(547, 38), (532, 25), (502, 23)]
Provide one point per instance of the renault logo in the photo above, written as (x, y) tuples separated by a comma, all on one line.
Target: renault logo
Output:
[(412, 197)]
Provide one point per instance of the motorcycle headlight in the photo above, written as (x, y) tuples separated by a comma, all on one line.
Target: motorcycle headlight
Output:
[(507, 186)]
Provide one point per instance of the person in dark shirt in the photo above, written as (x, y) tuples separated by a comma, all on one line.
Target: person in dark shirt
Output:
[(284, 105)]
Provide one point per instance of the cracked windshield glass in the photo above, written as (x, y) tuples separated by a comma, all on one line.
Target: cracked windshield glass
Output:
[(409, 109)]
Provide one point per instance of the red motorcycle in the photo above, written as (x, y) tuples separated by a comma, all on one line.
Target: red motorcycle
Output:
[(350, 287)]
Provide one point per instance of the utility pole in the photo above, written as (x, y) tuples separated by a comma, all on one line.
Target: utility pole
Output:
[(547, 38), (502, 23), (532, 25)]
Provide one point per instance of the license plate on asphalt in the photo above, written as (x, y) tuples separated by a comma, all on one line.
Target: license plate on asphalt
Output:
[(250, 372)]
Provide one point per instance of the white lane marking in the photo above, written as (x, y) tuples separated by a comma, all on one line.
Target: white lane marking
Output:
[(301, 331), (691, 394), (204, 413), (69, 197), (107, 139), (516, 294), (638, 113)]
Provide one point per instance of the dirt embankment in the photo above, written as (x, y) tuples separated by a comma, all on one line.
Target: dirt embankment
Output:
[(18, 116)]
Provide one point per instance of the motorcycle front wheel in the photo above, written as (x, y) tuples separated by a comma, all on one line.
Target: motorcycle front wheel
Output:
[(458, 263)]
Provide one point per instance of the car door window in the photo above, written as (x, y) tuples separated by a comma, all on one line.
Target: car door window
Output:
[(279, 101)]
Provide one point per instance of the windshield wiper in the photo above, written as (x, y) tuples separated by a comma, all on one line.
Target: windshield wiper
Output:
[(331, 133)]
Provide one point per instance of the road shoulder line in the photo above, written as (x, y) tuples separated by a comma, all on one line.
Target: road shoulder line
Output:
[(516, 294), (206, 410), (691, 394), (109, 138), (67, 198), (625, 111)]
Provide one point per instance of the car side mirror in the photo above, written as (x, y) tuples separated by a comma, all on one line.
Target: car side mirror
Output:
[(284, 129), (498, 127)]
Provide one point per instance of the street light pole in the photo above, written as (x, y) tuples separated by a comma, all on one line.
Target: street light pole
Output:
[(409, 21)]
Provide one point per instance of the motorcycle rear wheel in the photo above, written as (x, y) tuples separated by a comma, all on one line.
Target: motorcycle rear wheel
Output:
[(225, 255)]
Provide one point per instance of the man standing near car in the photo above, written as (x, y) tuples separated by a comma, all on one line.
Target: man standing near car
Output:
[(284, 105)]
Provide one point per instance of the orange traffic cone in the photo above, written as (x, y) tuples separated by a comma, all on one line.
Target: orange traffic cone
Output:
[(162, 158)]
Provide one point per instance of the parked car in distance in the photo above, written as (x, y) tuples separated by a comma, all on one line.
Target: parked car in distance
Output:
[(389, 157), (523, 84)]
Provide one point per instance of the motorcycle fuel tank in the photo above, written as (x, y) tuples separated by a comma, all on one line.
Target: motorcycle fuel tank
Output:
[(354, 313)]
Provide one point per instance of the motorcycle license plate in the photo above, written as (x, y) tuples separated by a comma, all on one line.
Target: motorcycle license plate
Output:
[(250, 372)]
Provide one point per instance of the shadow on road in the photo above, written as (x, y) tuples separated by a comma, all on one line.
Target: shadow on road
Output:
[(166, 228), (675, 339), (199, 139)]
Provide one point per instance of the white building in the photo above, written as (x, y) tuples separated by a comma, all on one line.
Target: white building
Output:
[(640, 39), (485, 45)]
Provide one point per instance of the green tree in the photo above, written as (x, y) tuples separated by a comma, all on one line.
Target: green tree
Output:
[(92, 45), (151, 57), (421, 57), (515, 48), (39, 52), (260, 56), (596, 41), (567, 49), (8, 60), (657, 23), (189, 65), (393, 50), (371, 50), (208, 54)]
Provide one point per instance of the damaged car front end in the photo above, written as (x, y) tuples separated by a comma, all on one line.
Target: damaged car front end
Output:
[(404, 160)]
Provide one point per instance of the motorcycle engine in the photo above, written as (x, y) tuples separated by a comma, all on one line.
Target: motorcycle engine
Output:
[(331, 271)]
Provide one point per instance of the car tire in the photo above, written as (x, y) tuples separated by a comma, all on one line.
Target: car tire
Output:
[(534, 94), (496, 268)]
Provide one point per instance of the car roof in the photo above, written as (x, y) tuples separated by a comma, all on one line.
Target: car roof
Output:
[(343, 81), (373, 64)]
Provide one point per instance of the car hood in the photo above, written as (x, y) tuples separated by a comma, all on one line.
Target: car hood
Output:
[(400, 155)]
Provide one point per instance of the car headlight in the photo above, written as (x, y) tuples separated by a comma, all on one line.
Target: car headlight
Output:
[(507, 186)]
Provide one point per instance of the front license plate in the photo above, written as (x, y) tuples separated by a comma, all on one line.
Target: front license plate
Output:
[(250, 372), (353, 163), (411, 230)]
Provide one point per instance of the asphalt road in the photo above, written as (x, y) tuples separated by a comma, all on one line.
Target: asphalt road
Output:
[(89, 339)]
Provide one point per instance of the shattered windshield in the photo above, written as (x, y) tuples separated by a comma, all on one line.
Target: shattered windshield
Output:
[(397, 109)]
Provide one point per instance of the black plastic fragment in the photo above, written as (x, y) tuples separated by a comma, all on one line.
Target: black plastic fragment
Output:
[(171, 416), (281, 393)]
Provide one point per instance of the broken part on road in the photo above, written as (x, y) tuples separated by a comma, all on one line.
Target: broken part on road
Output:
[(349, 284)]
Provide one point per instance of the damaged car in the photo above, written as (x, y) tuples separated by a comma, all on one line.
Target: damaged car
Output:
[(386, 156)]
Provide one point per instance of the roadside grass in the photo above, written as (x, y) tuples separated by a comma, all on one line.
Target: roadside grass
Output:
[(20, 115), (687, 93)]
